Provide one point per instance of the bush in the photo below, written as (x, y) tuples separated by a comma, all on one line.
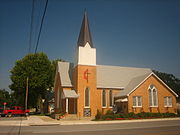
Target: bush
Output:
[(109, 112), (108, 117), (132, 115), (120, 116), (98, 115), (167, 115)]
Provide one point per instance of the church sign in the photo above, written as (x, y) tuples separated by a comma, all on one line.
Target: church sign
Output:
[(87, 112)]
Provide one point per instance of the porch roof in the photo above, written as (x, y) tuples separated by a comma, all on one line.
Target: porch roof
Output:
[(121, 100), (70, 94)]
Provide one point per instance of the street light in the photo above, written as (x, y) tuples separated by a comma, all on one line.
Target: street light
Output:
[(43, 106)]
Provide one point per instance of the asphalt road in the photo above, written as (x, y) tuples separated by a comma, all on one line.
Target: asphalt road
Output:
[(12, 118), (171, 127)]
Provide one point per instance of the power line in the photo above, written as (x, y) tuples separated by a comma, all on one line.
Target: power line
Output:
[(31, 26), (42, 20)]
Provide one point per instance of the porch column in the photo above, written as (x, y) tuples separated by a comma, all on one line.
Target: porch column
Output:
[(66, 105)]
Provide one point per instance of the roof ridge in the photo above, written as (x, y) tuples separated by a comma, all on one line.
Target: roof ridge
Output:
[(123, 67)]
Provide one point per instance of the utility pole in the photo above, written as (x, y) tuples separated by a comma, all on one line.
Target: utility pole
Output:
[(26, 93)]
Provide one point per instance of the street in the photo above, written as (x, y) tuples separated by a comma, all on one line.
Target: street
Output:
[(171, 127)]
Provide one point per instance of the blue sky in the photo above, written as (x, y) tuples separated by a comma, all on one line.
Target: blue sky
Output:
[(135, 33)]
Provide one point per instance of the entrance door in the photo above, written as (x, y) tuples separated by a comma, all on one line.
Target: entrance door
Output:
[(72, 106)]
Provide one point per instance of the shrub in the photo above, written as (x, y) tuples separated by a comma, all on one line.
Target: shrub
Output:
[(110, 116), (109, 112), (105, 117), (167, 115), (132, 115), (98, 115)]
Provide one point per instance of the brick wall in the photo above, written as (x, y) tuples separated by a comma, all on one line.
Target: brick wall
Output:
[(162, 91)]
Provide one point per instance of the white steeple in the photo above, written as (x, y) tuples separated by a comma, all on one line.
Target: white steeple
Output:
[(85, 51)]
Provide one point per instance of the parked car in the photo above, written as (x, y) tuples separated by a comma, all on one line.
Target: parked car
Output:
[(15, 110), (1, 112)]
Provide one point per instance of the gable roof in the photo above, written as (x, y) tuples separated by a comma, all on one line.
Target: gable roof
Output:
[(126, 79), (136, 82), (132, 85), (85, 34), (118, 77), (113, 77), (65, 71)]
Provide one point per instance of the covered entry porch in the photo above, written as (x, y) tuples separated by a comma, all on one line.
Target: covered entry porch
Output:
[(69, 105)]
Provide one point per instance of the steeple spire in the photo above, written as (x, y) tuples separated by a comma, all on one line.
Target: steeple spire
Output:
[(85, 34)]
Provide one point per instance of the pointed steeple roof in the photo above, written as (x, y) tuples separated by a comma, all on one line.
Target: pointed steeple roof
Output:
[(85, 34)]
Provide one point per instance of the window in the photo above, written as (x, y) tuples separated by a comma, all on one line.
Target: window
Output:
[(87, 103), (168, 101), (103, 98), (153, 99), (137, 101), (110, 98)]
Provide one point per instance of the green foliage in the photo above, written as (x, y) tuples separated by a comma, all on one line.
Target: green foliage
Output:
[(38, 68), (98, 115), (4, 97), (171, 81), (131, 115), (105, 117), (109, 112)]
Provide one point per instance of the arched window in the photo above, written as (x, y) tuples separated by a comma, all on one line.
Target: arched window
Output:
[(87, 97), (103, 98), (110, 98), (153, 99)]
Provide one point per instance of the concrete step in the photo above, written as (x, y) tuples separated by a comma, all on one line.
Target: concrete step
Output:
[(70, 117)]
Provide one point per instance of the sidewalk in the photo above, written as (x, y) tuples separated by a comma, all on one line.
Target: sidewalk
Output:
[(47, 121)]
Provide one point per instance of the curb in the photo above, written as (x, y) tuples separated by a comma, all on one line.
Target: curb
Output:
[(117, 121), (54, 124), (78, 122)]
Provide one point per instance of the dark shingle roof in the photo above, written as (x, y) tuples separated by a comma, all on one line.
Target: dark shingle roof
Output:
[(85, 34)]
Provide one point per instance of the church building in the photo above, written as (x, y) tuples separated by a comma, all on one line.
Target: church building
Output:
[(83, 87)]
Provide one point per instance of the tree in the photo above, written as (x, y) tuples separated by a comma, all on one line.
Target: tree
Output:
[(171, 81), (39, 70), (4, 97)]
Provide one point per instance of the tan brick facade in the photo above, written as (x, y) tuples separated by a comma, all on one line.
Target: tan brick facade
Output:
[(162, 91), (81, 84)]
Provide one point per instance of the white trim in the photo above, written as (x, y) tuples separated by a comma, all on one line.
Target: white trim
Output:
[(139, 84), (158, 79), (167, 98), (67, 105), (137, 102), (112, 98), (152, 95), (85, 98), (120, 88), (165, 85), (121, 100)]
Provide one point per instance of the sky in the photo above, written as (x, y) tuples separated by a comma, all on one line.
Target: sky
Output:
[(128, 33)]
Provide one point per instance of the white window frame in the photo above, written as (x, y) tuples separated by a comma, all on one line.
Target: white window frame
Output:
[(103, 99), (85, 98), (110, 106), (151, 90), (167, 100), (137, 101)]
